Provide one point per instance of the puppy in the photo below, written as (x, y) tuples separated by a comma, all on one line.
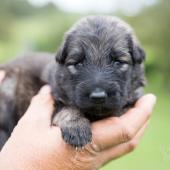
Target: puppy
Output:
[(98, 73)]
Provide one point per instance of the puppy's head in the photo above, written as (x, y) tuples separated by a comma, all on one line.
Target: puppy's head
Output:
[(100, 67)]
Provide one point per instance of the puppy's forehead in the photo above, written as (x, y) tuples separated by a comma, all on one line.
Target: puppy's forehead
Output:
[(99, 34), (100, 25)]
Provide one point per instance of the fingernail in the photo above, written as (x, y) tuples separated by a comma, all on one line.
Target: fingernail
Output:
[(151, 102), (45, 90), (153, 99)]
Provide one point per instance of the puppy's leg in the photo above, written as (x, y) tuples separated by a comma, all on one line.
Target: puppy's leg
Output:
[(3, 134), (3, 138), (75, 128)]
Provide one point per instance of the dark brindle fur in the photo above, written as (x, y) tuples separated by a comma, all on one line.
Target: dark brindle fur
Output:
[(99, 73)]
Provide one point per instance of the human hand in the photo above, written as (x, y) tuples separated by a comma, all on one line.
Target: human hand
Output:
[(35, 144)]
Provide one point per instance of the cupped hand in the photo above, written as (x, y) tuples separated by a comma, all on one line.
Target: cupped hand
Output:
[(35, 144)]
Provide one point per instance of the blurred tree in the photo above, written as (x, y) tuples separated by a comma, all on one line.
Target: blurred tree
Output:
[(9, 11), (153, 28)]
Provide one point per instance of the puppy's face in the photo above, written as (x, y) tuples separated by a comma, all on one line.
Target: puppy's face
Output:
[(100, 67)]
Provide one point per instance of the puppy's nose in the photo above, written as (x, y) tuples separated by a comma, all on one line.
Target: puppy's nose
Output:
[(98, 96)]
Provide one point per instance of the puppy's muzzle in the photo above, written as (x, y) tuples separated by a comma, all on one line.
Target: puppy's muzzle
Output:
[(98, 96)]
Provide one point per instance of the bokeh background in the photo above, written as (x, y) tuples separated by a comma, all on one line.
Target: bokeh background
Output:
[(39, 25)]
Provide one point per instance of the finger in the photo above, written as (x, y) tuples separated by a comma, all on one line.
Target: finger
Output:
[(41, 107), (2, 75), (122, 149), (113, 131), (136, 117)]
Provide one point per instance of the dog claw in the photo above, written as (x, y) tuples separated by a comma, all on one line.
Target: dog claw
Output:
[(76, 136)]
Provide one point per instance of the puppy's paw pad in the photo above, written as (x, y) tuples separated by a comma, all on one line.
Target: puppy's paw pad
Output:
[(77, 136)]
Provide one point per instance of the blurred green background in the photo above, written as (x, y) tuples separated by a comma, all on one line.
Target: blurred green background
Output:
[(39, 25)]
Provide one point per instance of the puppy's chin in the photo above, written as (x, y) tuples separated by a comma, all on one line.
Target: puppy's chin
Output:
[(97, 113)]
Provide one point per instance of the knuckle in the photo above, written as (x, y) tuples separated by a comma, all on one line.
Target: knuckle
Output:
[(131, 146), (96, 148), (126, 133)]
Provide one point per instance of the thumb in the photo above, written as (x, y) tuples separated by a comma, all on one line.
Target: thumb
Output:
[(41, 107)]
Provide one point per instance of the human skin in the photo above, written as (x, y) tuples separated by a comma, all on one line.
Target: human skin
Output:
[(37, 145)]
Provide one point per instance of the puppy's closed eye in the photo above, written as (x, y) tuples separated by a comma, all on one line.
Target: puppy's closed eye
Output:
[(122, 62), (72, 66), (72, 69)]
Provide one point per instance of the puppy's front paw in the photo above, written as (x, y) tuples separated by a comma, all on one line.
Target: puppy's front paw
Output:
[(77, 134)]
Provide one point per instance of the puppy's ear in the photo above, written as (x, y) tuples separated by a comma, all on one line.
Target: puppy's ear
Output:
[(62, 53), (138, 54)]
